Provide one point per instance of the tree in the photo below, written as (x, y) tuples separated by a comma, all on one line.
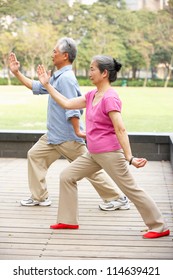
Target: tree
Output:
[(36, 45), (117, 3), (138, 39), (163, 40), (170, 7), (7, 7), (100, 33), (7, 43), (135, 60)]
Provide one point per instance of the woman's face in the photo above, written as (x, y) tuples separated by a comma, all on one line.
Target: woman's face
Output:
[(94, 73)]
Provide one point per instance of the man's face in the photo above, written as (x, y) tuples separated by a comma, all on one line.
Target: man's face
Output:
[(59, 59)]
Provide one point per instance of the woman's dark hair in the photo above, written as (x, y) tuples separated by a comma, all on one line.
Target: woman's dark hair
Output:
[(108, 63)]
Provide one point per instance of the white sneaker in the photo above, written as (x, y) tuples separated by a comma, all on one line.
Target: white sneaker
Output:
[(121, 204), (31, 202)]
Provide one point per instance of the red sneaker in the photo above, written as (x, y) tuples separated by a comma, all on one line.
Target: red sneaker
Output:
[(64, 226), (153, 234)]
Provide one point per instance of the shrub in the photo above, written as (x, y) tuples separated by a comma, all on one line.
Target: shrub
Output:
[(84, 81)]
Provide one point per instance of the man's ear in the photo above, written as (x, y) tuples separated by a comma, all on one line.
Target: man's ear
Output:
[(65, 56)]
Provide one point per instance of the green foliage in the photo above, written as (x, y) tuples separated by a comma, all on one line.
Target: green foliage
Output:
[(84, 81), (3, 81), (7, 7), (170, 7), (117, 3), (139, 39)]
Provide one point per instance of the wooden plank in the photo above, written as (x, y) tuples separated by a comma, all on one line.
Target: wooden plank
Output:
[(104, 248), (13, 246), (27, 252), (25, 232), (107, 254), (22, 256), (72, 241)]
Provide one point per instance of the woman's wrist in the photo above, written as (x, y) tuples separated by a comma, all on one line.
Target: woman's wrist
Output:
[(131, 159)]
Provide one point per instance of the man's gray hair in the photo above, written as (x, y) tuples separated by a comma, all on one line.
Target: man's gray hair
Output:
[(68, 45)]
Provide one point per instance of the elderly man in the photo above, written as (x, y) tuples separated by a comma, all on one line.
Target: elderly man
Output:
[(65, 134)]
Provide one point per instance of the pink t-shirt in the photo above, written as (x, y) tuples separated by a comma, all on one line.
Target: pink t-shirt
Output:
[(100, 132)]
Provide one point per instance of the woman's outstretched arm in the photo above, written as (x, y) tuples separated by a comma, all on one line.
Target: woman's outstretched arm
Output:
[(124, 139), (74, 103)]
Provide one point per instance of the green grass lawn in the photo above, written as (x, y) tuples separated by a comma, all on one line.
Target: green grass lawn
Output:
[(144, 109), (147, 109)]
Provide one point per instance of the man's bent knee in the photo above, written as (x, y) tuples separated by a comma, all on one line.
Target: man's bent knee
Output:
[(31, 153)]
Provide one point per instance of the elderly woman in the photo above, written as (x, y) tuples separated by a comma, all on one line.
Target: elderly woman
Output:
[(108, 148)]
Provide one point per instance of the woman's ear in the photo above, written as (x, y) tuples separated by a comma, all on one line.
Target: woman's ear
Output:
[(105, 73)]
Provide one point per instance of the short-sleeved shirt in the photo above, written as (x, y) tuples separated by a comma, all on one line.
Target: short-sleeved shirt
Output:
[(59, 127), (100, 132)]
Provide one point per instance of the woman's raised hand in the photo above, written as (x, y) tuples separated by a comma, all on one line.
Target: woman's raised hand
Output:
[(43, 75)]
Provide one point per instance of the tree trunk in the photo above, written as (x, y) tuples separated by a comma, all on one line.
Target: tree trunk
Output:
[(146, 78), (5, 60), (9, 78), (169, 72), (134, 72)]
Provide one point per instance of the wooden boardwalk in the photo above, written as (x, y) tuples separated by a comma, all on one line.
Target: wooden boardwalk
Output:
[(25, 233)]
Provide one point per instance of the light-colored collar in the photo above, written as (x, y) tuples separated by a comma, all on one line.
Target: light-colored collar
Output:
[(62, 70)]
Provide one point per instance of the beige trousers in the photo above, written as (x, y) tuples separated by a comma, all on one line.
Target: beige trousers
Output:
[(115, 165), (42, 155)]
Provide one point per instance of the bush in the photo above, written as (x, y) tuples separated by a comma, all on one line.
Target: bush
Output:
[(3, 81), (84, 81), (14, 81)]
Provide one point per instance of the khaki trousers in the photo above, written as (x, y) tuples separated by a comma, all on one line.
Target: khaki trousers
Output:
[(115, 165), (42, 155)]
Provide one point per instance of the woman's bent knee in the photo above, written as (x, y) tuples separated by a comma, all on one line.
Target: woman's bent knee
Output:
[(66, 178)]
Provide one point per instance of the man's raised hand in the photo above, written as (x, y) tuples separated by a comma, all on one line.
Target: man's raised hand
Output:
[(14, 64)]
